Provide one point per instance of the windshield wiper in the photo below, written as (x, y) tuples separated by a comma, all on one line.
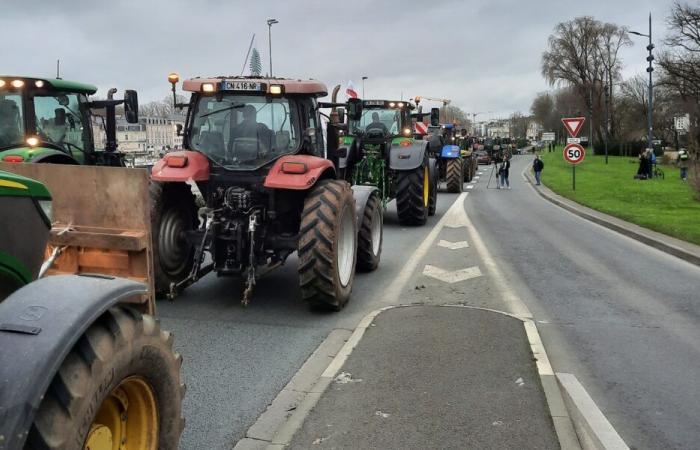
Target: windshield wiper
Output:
[(228, 108)]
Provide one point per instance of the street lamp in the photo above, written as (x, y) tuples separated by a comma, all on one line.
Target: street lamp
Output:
[(363, 87), (650, 69), (270, 22)]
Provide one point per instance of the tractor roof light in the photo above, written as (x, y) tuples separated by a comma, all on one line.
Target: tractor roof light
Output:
[(32, 141), (275, 89), (400, 104), (2, 83), (392, 104), (17, 83), (39, 83), (173, 77), (208, 87)]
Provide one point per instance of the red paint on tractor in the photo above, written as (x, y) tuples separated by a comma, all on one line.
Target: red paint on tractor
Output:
[(316, 167), (196, 167)]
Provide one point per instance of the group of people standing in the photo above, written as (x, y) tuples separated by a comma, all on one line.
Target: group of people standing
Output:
[(647, 160)]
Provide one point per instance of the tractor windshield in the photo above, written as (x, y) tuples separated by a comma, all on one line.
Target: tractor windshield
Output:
[(11, 121), (61, 120), (386, 120), (244, 131)]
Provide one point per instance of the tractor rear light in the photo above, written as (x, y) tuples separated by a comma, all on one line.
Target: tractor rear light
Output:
[(294, 167), (176, 161), (405, 143), (13, 159), (208, 87)]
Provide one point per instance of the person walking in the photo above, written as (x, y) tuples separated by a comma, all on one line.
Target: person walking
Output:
[(504, 172), (683, 163), (537, 166)]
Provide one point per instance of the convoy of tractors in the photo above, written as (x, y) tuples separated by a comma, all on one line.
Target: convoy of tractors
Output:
[(87, 244)]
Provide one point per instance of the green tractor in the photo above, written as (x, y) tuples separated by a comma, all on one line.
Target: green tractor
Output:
[(379, 149), (83, 362), (50, 121)]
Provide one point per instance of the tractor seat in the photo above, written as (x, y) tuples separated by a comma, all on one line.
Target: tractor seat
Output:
[(282, 141)]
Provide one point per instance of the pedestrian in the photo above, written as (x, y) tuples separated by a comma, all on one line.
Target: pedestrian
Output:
[(682, 162), (537, 166), (504, 172), (643, 170), (652, 162)]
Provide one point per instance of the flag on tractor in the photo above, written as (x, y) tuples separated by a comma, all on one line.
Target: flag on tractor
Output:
[(350, 91)]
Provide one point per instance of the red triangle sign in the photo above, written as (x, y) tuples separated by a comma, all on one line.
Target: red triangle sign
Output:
[(573, 125)]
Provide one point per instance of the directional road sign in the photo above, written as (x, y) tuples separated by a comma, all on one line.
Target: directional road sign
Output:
[(574, 153), (573, 125)]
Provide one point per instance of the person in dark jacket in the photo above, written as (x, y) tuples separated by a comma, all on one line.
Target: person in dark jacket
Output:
[(504, 172), (537, 166)]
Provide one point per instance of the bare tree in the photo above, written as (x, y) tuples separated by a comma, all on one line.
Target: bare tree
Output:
[(612, 38)]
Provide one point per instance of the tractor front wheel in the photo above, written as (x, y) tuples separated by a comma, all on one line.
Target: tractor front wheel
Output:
[(434, 186), (413, 189), (119, 387), (173, 214), (370, 236), (455, 175), (328, 245)]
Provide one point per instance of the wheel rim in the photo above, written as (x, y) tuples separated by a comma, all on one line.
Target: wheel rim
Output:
[(426, 186), (346, 247), (173, 250), (127, 419), (376, 231)]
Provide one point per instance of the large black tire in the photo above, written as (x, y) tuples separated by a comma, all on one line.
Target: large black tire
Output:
[(328, 245), (455, 175), (122, 352), (413, 195), (434, 186), (370, 235), (468, 170), (173, 213)]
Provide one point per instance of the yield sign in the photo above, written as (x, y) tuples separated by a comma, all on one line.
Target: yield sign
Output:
[(573, 125)]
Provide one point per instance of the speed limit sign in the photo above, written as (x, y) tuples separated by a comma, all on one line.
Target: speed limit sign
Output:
[(574, 153)]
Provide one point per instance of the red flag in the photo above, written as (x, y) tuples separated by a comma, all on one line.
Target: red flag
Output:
[(350, 91)]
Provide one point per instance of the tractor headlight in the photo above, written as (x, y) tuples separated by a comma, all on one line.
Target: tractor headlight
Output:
[(32, 141), (275, 89), (407, 131), (392, 104), (45, 206), (208, 87)]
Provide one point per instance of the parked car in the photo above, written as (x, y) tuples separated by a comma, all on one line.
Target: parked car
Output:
[(482, 157)]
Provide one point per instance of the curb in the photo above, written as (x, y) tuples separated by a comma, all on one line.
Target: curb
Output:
[(666, 244), (288, 420)]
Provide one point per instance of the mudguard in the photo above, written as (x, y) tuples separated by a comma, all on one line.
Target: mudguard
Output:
[(450, 152), (407, 157), (362, 194), (314, 168), (39, 325), (345, 147), (191, 166)]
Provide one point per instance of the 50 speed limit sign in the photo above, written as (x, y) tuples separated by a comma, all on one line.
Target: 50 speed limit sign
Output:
[(574, 153)]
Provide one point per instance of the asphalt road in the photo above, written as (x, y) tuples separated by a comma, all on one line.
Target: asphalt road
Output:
[(621, 316)]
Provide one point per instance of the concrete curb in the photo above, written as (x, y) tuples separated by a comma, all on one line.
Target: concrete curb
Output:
[(684, 250), (276, 427)]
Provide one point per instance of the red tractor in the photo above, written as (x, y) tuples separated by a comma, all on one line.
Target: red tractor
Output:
[(253, 187)]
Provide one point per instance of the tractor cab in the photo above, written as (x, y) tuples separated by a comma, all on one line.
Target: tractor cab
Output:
[(49, 120), (383, 120)]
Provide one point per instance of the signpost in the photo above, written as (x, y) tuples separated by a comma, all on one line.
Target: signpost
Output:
[(549, 136), (574, 153)]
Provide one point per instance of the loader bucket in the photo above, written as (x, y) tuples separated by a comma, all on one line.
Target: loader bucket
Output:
[(101, 221)]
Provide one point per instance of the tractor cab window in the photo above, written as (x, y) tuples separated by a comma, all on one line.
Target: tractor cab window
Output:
[(60, 120), (11, 121), (388, 121), (244, 131)]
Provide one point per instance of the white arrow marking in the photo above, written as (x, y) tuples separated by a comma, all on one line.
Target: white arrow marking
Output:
[(451, 276), (470, 186), (477, 177), (453, 245)]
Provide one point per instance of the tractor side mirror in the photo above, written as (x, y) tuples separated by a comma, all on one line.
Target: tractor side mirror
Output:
[(131, 106), (178, 129), (341, 115), (311, 135), (435, 116), (354, 109)]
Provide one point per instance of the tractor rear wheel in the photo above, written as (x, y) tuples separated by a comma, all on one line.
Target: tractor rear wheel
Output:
[(370, 236), (455, 175), (119, 387), (413, 195), (173, 214), (328, 245), (467, 164)]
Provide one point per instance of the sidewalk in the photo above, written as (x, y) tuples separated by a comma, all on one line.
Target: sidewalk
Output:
[(434, 377)]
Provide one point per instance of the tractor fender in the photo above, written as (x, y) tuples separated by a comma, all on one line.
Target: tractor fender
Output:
[(181, 166), (298, 172), (343, 160), (362, 194), (450, 152), (409, 157), (39, 325)]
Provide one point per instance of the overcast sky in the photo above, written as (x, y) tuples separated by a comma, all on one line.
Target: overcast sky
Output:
[(482, 54)]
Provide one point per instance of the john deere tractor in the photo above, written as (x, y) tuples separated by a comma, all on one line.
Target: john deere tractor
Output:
[(50, 121), (379, 149), (83, 362)]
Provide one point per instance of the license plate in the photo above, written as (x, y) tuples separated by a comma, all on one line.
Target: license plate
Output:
[(241, 86)]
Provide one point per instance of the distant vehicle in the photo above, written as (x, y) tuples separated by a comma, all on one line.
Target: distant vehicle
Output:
[(482, 157)]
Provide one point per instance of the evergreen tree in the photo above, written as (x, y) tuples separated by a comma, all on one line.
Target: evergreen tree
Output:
[(255, 64)]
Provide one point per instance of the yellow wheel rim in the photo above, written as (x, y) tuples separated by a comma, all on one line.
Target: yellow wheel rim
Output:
[(127, 419), (426, 187)]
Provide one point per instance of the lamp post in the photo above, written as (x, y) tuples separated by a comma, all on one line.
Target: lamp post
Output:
[(606, 89), (270, 22), (363, 87), (650, 69)]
